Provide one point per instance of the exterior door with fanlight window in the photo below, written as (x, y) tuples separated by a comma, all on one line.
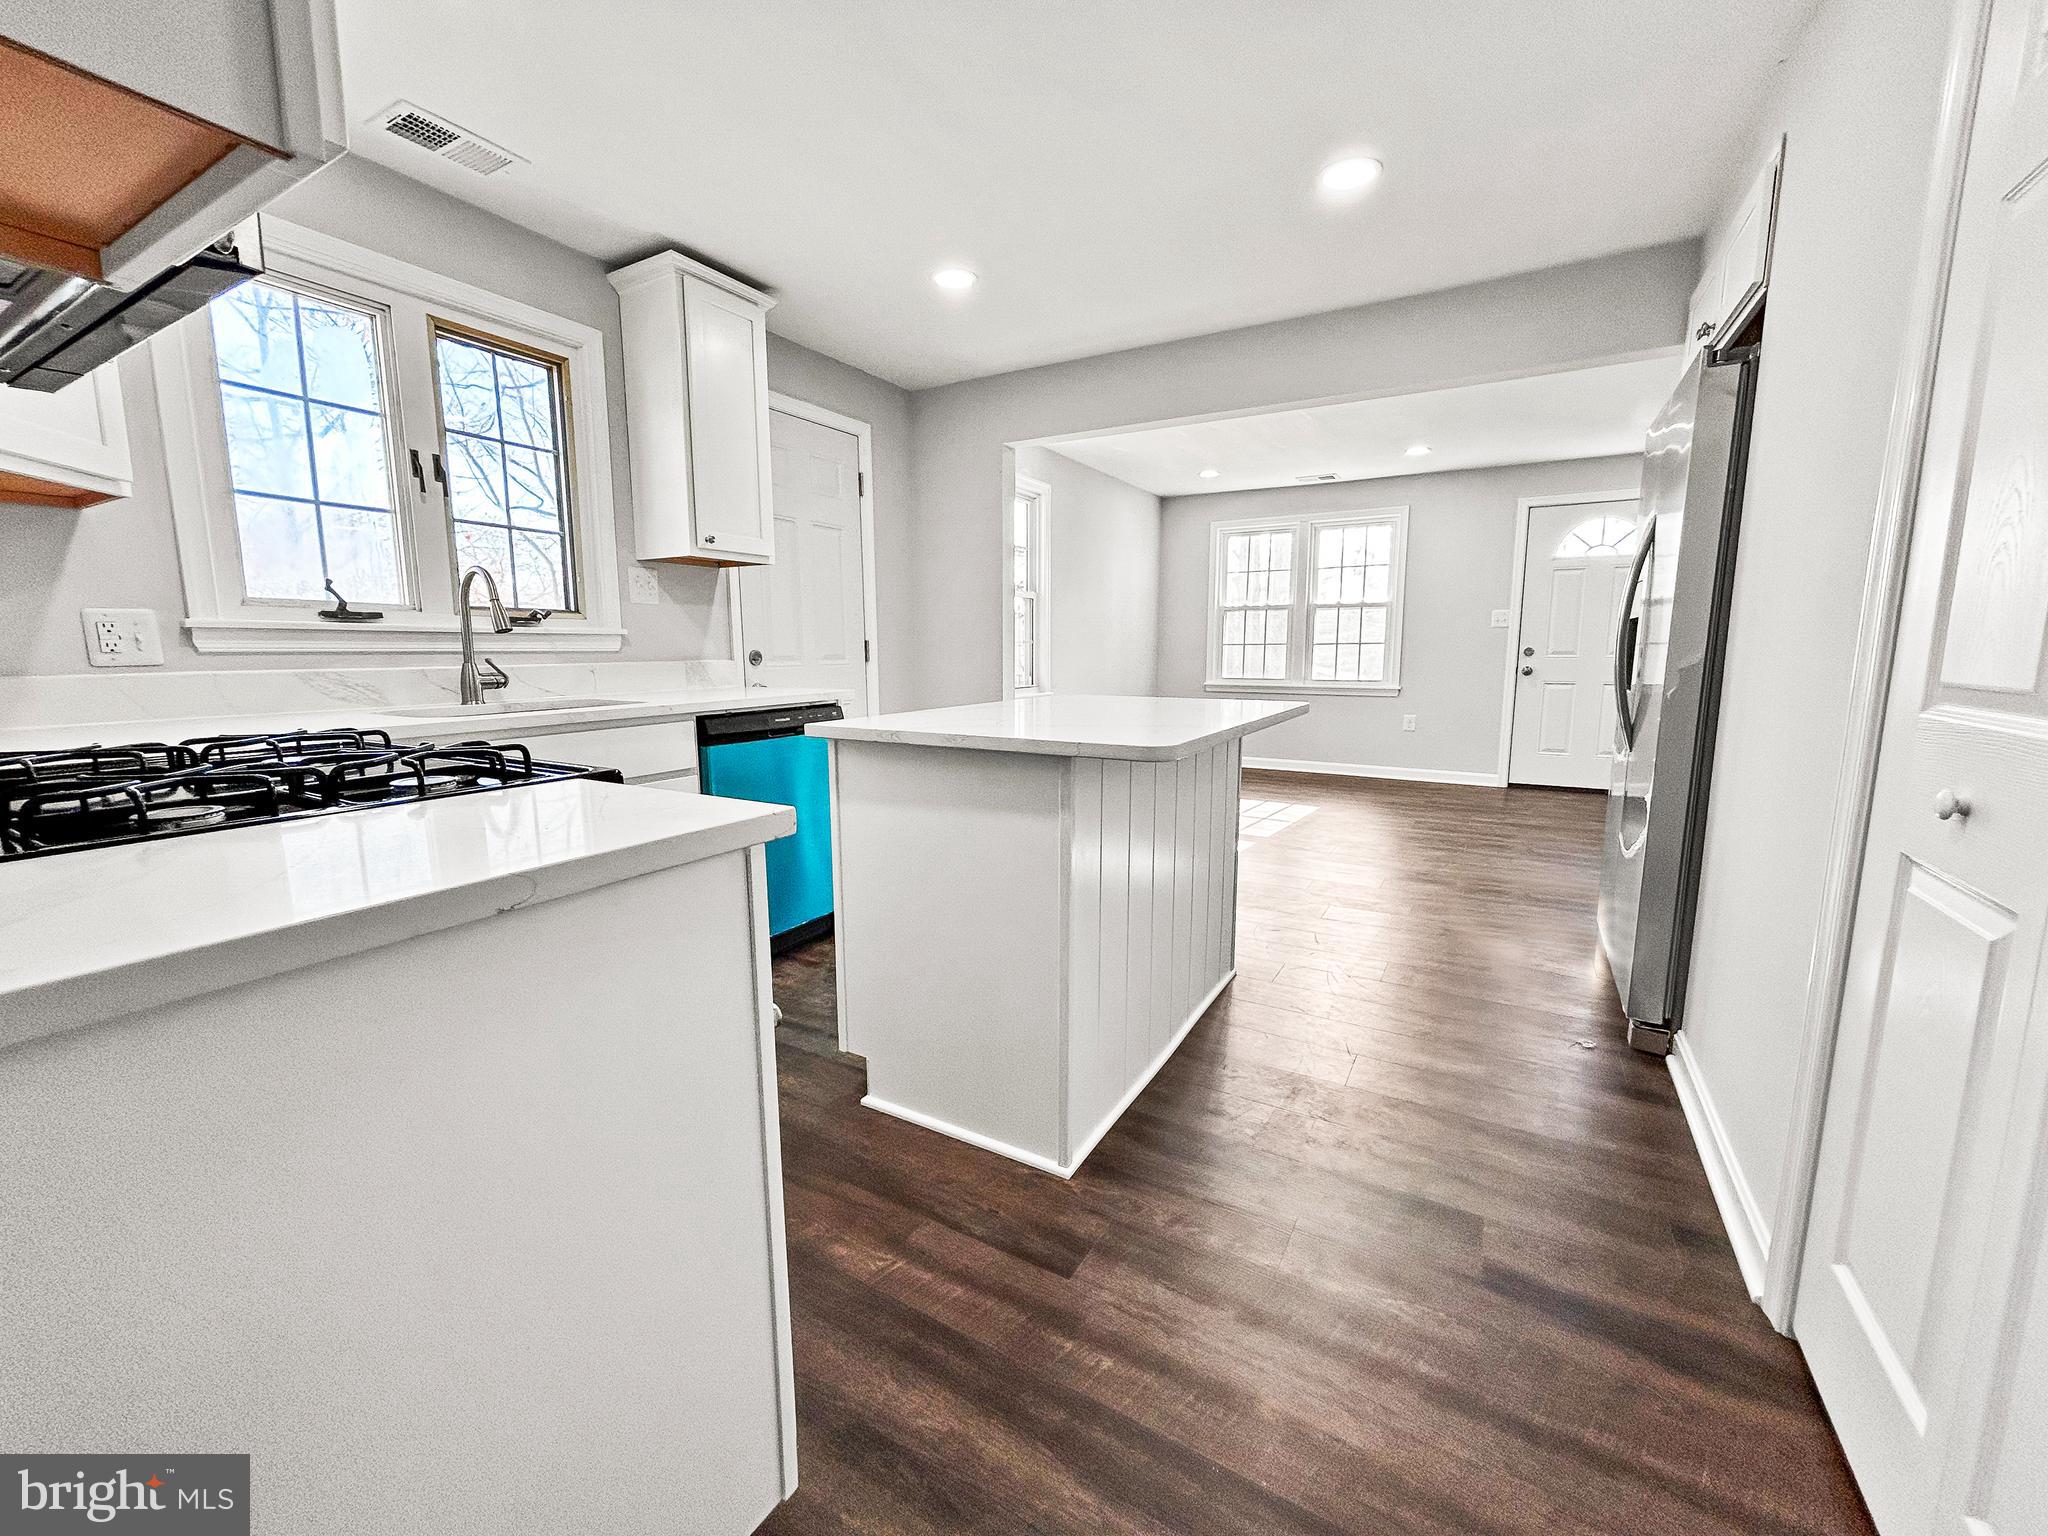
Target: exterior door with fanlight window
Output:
[(1574, 568)]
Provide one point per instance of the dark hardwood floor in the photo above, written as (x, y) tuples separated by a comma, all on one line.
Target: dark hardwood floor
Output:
[(1405, 1238)]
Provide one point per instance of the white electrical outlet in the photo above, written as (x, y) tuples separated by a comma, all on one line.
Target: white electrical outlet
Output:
[(122, 637), (642, 585), (1407, 722), (1500, 618)]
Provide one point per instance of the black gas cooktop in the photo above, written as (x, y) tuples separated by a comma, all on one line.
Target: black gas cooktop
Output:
[(97, 796)]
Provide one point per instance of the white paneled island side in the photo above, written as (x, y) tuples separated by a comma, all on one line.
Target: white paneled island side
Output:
[(1036, 901), (441, 1137)]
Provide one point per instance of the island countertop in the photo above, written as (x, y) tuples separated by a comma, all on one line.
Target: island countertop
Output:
[(1137, 729), (91, 933)]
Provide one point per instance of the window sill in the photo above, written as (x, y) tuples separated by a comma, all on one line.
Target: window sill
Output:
[(1291, 690), (412, 633)]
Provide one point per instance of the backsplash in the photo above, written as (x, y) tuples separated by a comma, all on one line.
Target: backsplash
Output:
[(108, 697)]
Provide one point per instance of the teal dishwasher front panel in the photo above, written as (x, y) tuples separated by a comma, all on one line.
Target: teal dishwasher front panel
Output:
[(792, 771)]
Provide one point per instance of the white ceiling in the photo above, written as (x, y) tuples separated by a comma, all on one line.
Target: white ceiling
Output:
[(1116, 173), (1586, 413)]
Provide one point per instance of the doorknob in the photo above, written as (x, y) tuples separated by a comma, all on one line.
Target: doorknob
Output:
[(753, 658), (1528, 671), (1949, 805)]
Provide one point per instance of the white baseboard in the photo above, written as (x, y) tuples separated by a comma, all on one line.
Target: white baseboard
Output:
[(972, 1138), (1748, 1233), (1039, 1160), (1377, 771)]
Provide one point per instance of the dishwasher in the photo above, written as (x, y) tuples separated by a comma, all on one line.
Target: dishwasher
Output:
[(764, 755)]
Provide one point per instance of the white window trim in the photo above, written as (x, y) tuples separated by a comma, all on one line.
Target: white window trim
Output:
[(1042, 516), (219, 619), (1304, 531)]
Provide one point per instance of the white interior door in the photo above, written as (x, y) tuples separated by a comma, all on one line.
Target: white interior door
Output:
[(1573, 571), (1920, 1300), (803, 617)]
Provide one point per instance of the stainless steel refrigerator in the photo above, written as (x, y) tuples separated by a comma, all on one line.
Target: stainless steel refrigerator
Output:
[(1670, 638)]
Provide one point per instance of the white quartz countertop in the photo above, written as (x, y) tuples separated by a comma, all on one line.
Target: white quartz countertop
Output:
[(546, 714), (95, 933), (1073, 725)]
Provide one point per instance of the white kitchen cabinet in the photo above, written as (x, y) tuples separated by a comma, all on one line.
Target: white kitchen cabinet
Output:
[(1737, 269), (68, 449), (159, 125), (658, 750), (696, 347)]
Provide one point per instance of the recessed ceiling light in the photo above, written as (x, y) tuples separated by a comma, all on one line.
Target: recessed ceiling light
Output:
[(1417, 450), (954, 279), (1354, 174), (1211, 474)]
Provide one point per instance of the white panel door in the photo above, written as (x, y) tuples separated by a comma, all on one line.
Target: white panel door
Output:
[(802, 619), (1573, 571), (1919, 1304)]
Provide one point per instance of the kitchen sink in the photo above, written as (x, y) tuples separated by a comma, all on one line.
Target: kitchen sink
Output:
[(506, 707)]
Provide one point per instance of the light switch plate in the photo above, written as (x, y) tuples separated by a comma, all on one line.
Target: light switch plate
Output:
[(122, 637), (641, 584), (1407, 722), (1500, 618)]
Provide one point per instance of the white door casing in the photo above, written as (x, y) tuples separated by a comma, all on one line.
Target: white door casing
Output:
[(805, 615), (1920, 1305), (1574, 564)]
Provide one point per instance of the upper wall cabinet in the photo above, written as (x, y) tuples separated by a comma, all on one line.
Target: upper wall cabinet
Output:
[(134, 135), (697, 412), (1738, 263), (68, 449)]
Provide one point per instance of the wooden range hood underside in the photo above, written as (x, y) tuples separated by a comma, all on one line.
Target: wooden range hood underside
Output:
[(83, 161)]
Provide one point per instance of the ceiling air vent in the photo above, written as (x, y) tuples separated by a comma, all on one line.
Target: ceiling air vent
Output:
[(1312, 479), (443, 140)]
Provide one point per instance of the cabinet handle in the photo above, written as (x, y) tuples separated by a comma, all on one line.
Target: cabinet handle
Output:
[(1706, 329), (710, 538)]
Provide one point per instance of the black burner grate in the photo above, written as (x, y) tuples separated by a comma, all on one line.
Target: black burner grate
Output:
[(97, 796)]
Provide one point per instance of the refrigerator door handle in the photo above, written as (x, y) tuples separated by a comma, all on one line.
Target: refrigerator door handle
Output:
[(1625, 641)]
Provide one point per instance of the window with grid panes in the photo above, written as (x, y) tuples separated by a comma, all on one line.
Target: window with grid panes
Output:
[(503, 430), (1255, 603), (1312, 602), (302, 398), (1352, 603), (1027, 581)]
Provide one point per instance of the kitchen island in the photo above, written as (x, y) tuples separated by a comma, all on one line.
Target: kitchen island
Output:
[(1036, 901), (437, 1140)]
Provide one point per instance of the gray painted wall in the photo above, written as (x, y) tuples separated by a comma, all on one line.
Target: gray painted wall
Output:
[(1564, 317), (1104, 586), (1461, 534), (123, 554), (1862, 91), (820, 380)]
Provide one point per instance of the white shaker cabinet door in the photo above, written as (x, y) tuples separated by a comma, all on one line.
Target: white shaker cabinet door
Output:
[(726, 346), (65, 449)]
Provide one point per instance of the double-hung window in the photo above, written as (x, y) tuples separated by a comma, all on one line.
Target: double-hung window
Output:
[(349, 424), (1308, 603), (1030, 661)]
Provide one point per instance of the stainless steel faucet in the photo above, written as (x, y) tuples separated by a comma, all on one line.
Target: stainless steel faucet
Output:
[(474, 680)]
